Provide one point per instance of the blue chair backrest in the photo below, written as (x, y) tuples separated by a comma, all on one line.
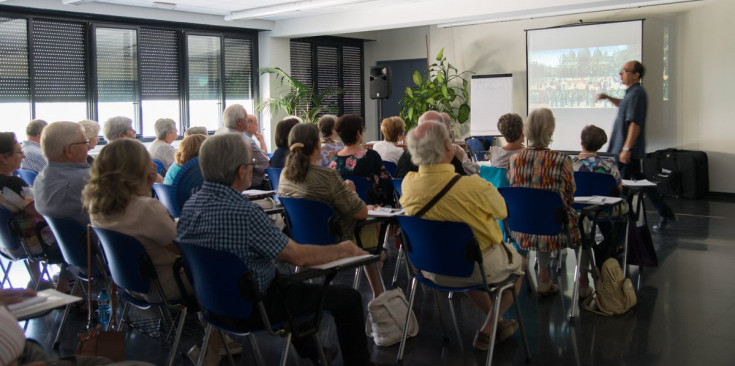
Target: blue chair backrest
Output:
[(28, 176), (159, 165), (71, 238), (217, 279), (595, 184), (496, 176), (362, 185), (274, 175), (439, 247), (130, 266), (10, 241), (391, 167), (397, 182), (474, 144), (309, 220), (167, 195), (188, 181), (534, 211)]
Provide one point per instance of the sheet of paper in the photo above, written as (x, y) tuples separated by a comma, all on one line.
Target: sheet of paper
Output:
[(258, 192), (597, 200), (638, 183), (386, 212), (342, 262), (52, 299)]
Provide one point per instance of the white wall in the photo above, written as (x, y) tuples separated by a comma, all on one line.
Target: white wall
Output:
[(701, 81)]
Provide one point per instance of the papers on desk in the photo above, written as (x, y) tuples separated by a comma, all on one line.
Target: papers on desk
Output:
[(255, 194), (43, 301), (597, 200), (386, 212), (638, 183), (342, 262)]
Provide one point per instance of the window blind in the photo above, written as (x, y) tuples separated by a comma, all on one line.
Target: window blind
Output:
[(238, 68), (14, 60), (117, 64), (159, 64)]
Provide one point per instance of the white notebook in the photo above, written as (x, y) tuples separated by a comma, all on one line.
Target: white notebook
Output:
[(43, 301)]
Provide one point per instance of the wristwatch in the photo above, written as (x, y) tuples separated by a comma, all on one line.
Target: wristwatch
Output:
[(625, 148)]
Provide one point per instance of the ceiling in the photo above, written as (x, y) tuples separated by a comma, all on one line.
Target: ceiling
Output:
[(321, 17)]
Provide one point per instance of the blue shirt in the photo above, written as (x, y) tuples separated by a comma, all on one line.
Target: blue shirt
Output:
[(632, 108), (58, 191), (171, 173), (221, 218), (33, 159)]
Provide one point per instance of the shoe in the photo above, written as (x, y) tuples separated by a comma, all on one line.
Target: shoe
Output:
[(663, 223), (506, 329), (481, 341), (547, 289), (584, 292)]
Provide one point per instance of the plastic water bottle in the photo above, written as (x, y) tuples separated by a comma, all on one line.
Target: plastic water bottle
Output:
[(103, 307)]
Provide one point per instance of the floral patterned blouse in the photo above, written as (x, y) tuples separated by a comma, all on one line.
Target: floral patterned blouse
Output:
[(552, 171), (367, 163), (329, 148)]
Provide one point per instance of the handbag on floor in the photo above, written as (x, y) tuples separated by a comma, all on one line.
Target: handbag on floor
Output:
[(387, 316), (640, 243), (614, 294), (98, 342)]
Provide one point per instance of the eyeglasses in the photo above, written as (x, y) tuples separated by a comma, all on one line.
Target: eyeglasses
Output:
[(252, 162), (624, 71), (85, 142)]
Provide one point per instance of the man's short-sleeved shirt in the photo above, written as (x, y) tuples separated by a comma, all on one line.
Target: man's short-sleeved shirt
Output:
[(58, 191), (221, 218), (33, 159), (632, 108)]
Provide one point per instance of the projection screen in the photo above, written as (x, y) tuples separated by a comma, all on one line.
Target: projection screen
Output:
[(568, 66)]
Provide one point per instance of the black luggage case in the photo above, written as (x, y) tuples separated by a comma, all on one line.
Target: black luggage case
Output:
[(680, 173)]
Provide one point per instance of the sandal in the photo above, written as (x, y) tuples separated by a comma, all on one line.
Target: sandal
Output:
[(548, 289), (584, 292)]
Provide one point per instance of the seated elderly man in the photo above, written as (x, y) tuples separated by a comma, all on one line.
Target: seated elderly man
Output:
[(404, 163), (235, 119), (471, 200), (221, 218), (58, 188), (32, 156), (118, 127), (161, 149)]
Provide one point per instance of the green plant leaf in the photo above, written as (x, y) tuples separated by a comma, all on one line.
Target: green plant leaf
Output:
[(417, 79), (464, 113), (440, 55)]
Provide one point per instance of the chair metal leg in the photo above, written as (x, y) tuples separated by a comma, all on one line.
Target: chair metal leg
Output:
[(399, 258), (575, 285), (227, 347), (67, 309), (356, 281), (205, 345), (493, 332), (177, 337), (521, 324), (412, 297), (284, 355), (256, 350)]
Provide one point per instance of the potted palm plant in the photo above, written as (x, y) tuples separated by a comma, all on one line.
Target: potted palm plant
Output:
[(299, 99), (444, 89)]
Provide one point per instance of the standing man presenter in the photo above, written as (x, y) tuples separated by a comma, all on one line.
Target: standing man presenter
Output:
[(628, 140)]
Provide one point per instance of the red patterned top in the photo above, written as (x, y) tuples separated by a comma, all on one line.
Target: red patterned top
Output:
[(549, 170)]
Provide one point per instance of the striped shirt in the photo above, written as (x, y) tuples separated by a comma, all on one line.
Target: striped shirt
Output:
[(33, 159), (12, 339)]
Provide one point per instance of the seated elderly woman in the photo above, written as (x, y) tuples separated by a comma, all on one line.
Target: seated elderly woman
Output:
[(118, 127), (92, 132), (354, 159), (393, 129), (283, 127), (510, 126), (593, 138), (195, 130), (471, 200), (538, 167), (330, 142), (161, 149), (188, 149), (302, 177)]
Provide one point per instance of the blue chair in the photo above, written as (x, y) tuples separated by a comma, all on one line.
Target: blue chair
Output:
[(362, 185), (397, 189), (539, 212), (28, 176), (594, 184), (274, 175), (497, 176), (71, 237), (187, 182), (159, 166), (474, 144), (167, 195), (132, 270), (226, 288), (16, 249), (391, 167), (425, 243)]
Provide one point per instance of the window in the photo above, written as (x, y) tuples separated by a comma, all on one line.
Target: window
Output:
[(326, 62), (57, 66)]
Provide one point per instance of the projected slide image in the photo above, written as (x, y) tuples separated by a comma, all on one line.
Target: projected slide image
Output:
[(570, 78)]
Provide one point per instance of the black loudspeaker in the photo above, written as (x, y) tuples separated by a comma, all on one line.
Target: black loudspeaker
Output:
[(380, 82)]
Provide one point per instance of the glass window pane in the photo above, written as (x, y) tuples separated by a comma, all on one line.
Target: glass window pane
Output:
[(204, 54), (155, 109), (52, 112), (15, 118), (117, 74)]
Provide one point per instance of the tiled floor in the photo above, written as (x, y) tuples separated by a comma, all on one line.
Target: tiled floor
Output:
[(685, 313)]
